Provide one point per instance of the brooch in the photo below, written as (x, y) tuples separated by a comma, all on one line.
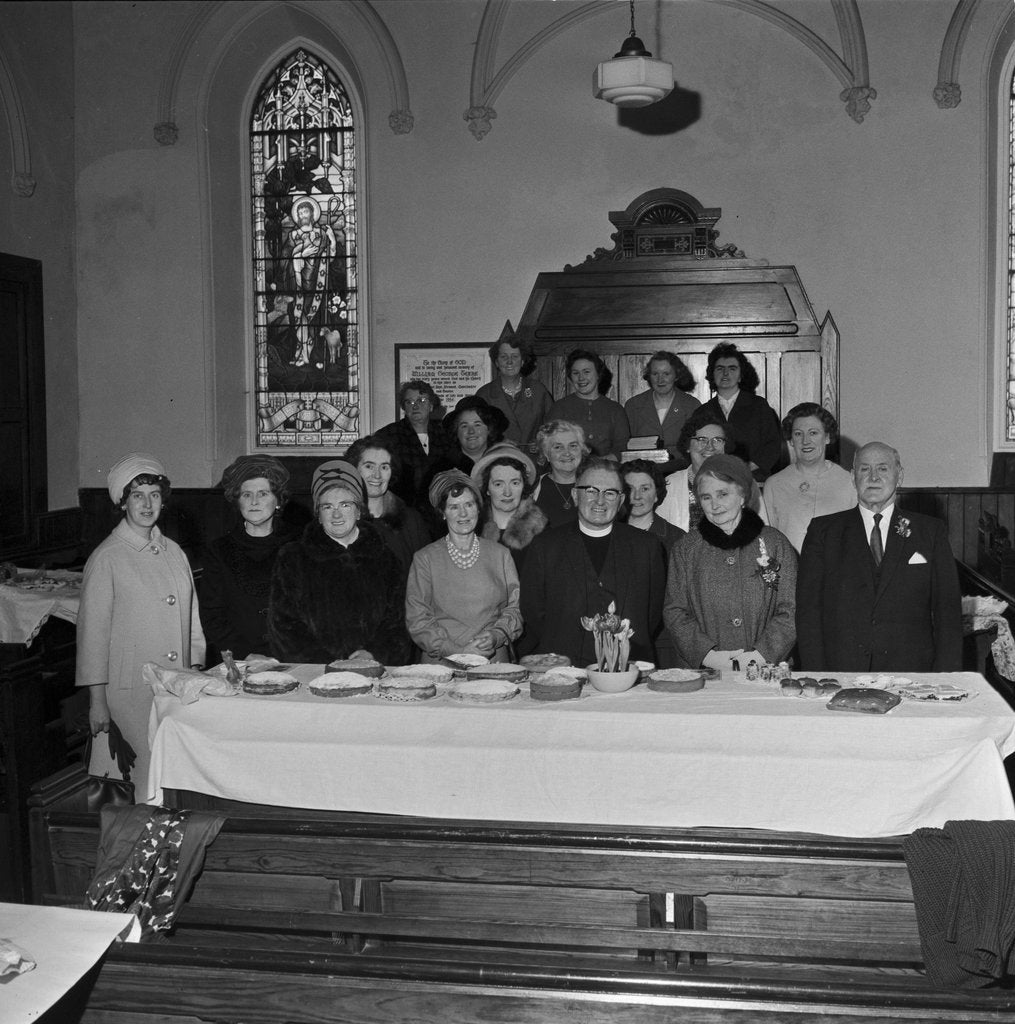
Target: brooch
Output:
[(768, 567), (902, 526)]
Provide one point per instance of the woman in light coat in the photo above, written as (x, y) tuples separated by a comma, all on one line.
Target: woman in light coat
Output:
[(137, 605)]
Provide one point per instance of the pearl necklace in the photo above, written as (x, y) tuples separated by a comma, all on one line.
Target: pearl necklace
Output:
[(467, 559)]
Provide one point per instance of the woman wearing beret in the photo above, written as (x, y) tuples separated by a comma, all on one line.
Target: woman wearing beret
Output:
[(731, 586), (137, 605), (338, 592), (236, 581), (462, 594)]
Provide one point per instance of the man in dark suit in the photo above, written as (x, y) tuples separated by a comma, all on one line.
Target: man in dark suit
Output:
[(877, 590), (579, 568), (419, 441)]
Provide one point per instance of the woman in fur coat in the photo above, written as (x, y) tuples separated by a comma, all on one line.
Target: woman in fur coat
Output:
[(401, 528), (731, 585), (506, 477), (338, 592)]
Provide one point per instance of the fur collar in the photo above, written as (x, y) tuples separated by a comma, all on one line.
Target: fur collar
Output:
[(320, 547), (528, 521), (748, 529)]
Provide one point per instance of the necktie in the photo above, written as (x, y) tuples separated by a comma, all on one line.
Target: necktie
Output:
[(877, 549)]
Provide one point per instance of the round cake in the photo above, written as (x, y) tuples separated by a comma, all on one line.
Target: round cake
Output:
[(483, 691), (458, 663), (406, 688), (498, 670), (544, 662), (675, 680), (361, 666), (790, 687), (436, 674), (551, 686), (270, 683), (340, 684)]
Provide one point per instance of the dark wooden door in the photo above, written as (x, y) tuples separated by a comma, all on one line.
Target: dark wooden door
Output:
[(22, 402)]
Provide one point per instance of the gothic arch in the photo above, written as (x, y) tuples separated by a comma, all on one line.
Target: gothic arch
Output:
[(198, 30), (850, 68), (22, 181)]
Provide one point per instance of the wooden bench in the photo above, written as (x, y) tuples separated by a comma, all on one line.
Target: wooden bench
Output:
[(444, 921)]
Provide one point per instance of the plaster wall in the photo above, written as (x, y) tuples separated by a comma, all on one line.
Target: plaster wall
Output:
[(885, 220), (38, 47)]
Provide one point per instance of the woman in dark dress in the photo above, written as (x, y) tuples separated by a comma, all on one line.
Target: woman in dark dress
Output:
[(236, 581), (758, 430)]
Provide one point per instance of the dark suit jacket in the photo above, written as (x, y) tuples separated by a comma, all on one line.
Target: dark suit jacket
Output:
[(907, 618), (415, 463), (757, 432), (559, 586)]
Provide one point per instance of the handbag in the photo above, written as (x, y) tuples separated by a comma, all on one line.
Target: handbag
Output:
[(101, 789)]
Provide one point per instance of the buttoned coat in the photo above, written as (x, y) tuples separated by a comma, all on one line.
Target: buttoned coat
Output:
[(644, 421), (716, 597), (137, 605), (560, 585), (415, 462), (757, 432), (907, 618)]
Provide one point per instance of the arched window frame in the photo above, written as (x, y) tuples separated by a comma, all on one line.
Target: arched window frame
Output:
[(309, 420), (1000, 92)]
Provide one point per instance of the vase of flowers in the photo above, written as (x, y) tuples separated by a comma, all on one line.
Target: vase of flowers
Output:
[(612, 672)]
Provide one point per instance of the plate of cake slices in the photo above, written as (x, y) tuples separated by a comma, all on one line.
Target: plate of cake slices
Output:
[(483, 691), (934, 691), (269, 684), (340, 684), (808, 686)]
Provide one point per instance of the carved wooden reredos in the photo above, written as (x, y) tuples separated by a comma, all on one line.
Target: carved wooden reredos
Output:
[(667, 284)]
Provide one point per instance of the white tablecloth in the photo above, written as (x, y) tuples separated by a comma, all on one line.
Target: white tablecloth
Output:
[(734, 755), (65, 944), (26, 605)]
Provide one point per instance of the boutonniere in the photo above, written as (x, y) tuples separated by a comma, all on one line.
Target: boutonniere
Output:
[(902, 526), (528, 392), (768, 567)]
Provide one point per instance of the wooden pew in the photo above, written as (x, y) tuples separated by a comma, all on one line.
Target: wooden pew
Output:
[(444, 921)]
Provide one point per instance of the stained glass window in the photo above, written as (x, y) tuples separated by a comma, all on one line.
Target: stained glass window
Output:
[(306, 313)]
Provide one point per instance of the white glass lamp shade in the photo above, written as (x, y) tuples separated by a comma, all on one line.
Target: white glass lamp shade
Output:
[(633, 81)]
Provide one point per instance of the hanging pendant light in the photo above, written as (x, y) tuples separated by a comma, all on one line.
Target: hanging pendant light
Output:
[(634, 78)]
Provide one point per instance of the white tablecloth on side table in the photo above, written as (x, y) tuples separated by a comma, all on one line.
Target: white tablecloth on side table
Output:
[(734, 755), (65, 944)]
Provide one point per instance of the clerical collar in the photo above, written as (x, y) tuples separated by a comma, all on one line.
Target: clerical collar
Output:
[(595, 531)]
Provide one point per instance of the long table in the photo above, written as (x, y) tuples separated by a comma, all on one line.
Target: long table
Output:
[(737, 754)]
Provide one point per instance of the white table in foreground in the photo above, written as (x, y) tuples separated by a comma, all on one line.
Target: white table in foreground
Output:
[(64, 943), (734, 755)]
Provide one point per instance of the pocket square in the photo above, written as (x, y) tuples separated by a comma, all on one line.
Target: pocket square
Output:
[(918, 559)]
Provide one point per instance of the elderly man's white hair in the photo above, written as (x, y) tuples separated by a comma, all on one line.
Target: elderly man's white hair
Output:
[(877, 444)]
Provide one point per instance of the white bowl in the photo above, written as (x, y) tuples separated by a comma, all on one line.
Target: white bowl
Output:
[(613, 682)]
